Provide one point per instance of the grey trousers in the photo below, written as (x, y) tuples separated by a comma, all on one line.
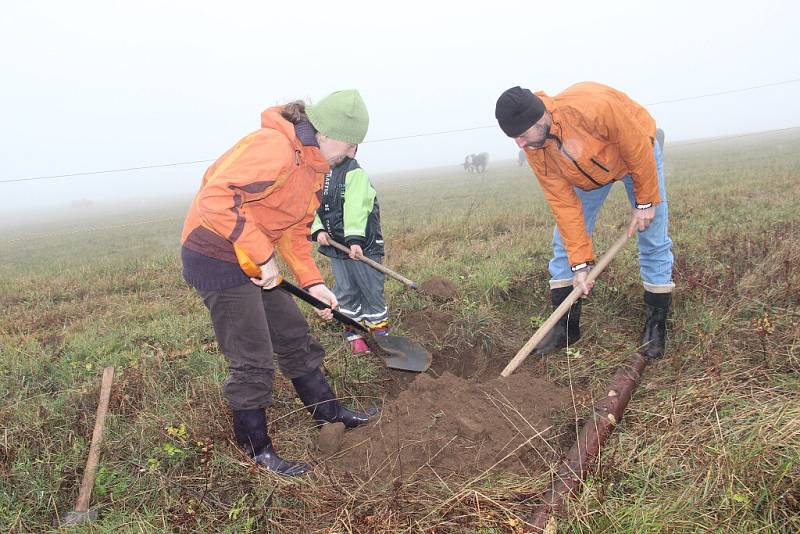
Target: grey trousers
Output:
[(359, 290), (250, 325)]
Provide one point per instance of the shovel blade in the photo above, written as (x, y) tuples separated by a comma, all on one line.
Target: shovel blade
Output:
[(397, 352), (402, 353)]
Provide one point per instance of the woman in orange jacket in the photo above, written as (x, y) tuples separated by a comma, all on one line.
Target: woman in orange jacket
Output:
[(259, 198)]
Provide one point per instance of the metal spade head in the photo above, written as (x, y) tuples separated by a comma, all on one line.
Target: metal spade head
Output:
[(397, 352), (402, 353), (75, 518)]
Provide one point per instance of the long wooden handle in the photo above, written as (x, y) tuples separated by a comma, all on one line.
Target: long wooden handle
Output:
[(82, 504), (559, 312), (375, 265)]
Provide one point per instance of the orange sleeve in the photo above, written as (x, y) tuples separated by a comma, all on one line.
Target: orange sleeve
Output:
[(636, 150), (568, 211), (244, 173), (294, 247)]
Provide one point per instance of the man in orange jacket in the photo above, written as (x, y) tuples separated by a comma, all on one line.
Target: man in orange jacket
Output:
[(578, 143), (258, 198)]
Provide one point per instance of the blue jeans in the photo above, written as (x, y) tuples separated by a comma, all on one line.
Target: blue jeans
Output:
[(655, 246)]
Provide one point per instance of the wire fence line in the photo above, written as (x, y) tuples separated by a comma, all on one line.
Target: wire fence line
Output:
[(390, 187), (388, 139)]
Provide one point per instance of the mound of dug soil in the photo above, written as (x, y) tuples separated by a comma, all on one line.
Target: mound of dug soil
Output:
[(450, 426), (439, 288)]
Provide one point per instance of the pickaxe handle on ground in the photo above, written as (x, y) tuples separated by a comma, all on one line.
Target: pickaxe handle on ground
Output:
[(562, 309), (82, 504), (375, 265)]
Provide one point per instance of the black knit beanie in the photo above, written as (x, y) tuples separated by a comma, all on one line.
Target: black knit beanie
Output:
[(517, 110)]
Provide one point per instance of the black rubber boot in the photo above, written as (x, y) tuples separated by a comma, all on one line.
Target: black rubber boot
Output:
[(250, 429), (567, 330), (316, 394), (654, 336)]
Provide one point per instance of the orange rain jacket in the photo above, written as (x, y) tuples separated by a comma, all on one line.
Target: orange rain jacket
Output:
[(259, 196), (598, 136)]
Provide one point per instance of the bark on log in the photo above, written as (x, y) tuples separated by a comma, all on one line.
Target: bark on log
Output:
[(583, 455)]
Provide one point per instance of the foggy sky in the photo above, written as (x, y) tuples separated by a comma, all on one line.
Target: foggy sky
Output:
[(92, 85)]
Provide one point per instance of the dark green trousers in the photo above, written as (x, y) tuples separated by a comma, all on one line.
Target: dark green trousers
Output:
[(250, 326)]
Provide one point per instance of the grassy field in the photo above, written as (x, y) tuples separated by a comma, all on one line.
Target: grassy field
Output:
[(710, 442)]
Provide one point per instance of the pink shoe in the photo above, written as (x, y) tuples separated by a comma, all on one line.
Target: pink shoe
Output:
[(359, 346)]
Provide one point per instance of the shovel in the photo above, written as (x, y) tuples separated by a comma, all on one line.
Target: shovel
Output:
[(563, 308), (375, 265), (397, 352), (435, 288)]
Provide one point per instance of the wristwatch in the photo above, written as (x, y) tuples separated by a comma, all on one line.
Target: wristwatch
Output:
[(582, 266)]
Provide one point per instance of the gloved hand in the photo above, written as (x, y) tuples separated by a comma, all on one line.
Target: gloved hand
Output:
[(270, 275), (324, 294)]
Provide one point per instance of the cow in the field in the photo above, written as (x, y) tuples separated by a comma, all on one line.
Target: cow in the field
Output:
[(468, 163), (480, 161), (476, 162)]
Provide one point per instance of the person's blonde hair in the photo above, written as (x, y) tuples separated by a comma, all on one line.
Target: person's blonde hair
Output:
[(294, 112)]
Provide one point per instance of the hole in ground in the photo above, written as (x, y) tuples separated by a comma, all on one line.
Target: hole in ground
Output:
[(459, 418)]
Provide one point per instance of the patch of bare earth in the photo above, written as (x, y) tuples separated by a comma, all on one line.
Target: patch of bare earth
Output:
[(447, 426)]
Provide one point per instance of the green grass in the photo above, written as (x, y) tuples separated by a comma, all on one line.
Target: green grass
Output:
[(710, 442)]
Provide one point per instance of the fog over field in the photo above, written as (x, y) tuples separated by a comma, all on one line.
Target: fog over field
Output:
[(98, 86)]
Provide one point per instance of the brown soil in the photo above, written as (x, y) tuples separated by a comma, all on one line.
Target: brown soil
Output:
[(435, 327), (330, 438), (451, 426), (439, 288), (459, 418)]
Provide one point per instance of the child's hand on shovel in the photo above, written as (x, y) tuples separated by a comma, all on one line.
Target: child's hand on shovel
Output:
[(322, 239), (356, 253)]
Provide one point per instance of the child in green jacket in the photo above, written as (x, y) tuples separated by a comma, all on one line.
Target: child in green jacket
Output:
[(349, 214)]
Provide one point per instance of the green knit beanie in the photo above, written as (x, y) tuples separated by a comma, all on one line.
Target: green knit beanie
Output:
[(341, 115)]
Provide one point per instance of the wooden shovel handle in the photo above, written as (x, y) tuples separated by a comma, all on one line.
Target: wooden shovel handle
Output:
[(562, 309), (375, 265), (82, 504)]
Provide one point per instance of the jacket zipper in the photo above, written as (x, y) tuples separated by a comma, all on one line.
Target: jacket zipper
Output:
[(564, 151)]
